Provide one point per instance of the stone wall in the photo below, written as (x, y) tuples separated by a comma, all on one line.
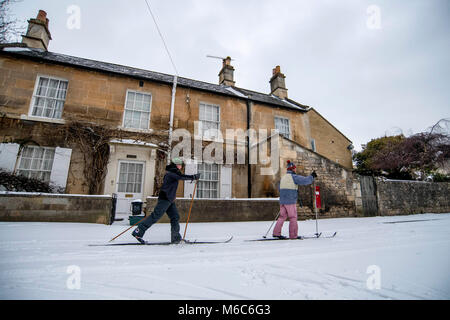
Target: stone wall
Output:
[(409, 197), (218, 210), (37, 207), (335, 182)]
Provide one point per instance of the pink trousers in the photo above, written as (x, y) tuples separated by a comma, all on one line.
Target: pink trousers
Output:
[(287, 211)]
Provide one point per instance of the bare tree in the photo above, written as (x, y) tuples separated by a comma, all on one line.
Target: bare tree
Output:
[(415, 157), (441, 127), (421, 153), (9, 28)]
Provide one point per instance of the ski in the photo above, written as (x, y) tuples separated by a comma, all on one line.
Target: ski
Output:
[(159, 243), (209, 242), (273, 239), (132, 244), (315, 236), (331, 236), (320, 236), (299, 238)]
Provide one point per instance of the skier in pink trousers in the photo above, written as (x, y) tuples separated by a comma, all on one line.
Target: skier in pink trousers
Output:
[(288, 200)]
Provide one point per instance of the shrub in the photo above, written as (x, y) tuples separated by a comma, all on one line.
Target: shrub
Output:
[(13, 182), (439, 177)]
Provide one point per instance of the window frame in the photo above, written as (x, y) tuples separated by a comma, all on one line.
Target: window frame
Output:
[(217, 190), (202, 132), (20, 157), (289, 125), (313, 145), (34, 96), (134, 183), (132, 110)]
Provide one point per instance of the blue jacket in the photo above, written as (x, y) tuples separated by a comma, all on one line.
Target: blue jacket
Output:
[(170, 183), (288, 187)]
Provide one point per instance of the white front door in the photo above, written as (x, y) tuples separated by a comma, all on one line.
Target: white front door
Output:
[(130, 184)]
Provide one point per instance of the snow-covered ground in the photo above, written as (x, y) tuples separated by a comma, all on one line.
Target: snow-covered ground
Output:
[(370, 258)]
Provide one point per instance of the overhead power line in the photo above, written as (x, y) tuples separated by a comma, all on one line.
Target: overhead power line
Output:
[(162, 37)]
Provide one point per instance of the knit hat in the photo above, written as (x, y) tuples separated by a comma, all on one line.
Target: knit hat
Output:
[(177, 161), (291, 165)]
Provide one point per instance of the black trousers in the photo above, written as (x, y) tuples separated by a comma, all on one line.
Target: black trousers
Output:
[(164, 206)]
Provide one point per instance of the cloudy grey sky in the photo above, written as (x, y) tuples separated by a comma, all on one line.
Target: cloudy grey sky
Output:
[(370, 67)]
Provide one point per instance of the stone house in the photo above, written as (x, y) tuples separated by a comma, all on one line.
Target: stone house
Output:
[(50, 102)]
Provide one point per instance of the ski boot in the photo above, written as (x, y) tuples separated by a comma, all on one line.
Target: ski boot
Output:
[(138, 234), (175, 238)]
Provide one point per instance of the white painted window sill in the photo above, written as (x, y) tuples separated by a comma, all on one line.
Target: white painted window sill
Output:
[(42, 119), (136, 130)]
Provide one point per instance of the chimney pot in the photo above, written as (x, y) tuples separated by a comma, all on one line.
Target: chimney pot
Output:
[(42, 15), (276, 70), (227, 61)]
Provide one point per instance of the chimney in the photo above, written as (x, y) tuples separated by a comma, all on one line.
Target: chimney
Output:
[(277, 84), (38, 36), (226, 75)]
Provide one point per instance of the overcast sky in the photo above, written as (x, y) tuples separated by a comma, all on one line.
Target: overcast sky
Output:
[(369, 67)]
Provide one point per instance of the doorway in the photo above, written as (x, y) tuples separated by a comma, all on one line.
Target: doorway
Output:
[(130, 182)]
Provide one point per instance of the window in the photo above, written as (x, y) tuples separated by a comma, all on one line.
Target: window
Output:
[(313, 145), (49, 96), (209, 116), (130, 177), (208, 185), (137, 110), (36, 162), (282, 125)]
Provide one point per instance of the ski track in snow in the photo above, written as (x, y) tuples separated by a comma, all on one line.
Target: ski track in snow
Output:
[(413, 259)]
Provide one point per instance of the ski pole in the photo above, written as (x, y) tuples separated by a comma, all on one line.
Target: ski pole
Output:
[(315, 208), (127, 229), (271, 225), (192, 201)]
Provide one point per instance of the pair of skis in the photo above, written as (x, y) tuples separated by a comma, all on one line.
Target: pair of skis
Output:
[(160, 243), (316, 236)]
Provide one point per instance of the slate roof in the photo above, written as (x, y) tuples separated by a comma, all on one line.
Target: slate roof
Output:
[(41, 55), (272, 99)]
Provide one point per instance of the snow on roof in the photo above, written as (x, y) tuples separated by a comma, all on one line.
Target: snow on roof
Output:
[(293, 105), (15, 49), (236, 92)]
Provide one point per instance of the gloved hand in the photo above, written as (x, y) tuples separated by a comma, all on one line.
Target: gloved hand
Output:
[(314, 174), (196, 176)]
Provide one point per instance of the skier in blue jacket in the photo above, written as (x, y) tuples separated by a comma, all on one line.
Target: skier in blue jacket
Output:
[(166, 202)]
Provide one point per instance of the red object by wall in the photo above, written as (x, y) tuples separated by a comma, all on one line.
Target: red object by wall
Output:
[(318, 201)]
